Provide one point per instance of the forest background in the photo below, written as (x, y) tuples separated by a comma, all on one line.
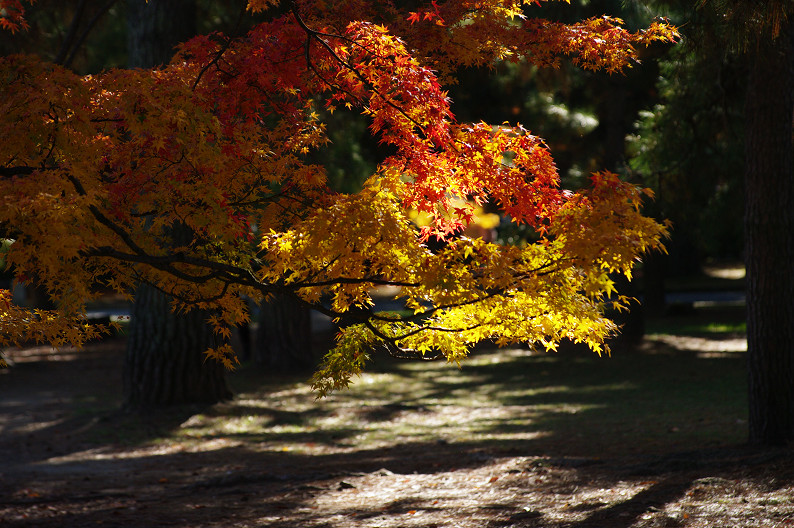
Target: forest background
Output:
[(675, 122)]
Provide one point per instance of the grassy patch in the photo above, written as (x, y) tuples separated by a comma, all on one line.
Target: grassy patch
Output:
[(565, 404), (555, 439), (708, 321), (660, 396), (696, 328)]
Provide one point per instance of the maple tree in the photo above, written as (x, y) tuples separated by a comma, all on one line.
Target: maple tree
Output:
[(195, 178)]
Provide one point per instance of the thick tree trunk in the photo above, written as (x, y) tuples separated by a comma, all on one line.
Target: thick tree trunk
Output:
[(615, 123), (165, 361), (284, 338), (155, 27), (769, 234)]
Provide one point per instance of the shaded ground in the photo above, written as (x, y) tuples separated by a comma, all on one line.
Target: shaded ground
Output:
[(651, 437)]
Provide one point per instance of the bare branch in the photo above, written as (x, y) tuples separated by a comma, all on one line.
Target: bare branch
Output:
[(10, 172)]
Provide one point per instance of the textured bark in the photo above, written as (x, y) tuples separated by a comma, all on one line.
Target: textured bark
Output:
[(284, 338), (615, 123), (155, 27), (769, 234), (165, 361)]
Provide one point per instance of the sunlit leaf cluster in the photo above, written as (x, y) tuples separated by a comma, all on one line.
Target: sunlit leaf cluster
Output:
[(20, 326)]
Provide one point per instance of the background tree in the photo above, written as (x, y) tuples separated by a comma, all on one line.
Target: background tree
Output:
[(738, 50), (688, 147), (769, 220), (82, 35), (284, 335)]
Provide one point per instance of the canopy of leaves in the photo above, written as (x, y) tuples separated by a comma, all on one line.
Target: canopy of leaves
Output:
[(196, 178)]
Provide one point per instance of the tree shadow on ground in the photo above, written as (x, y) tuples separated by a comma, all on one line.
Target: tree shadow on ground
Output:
[(284, 487), (513, 439)]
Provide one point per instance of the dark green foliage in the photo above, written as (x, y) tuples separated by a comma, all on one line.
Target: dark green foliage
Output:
[(689, 146)]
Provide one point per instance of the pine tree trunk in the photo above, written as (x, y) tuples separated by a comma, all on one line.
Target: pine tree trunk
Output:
[(284, 337), (769, 246), (165, 361)]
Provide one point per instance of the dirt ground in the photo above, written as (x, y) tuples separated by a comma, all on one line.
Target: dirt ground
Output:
[(68, 458)]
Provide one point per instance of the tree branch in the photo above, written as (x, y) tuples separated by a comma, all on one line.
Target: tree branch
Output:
[(66, 61), (311, 33), (67, 42), (10, 172)]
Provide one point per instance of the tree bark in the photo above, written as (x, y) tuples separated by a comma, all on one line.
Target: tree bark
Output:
[(653, 282), (165, 364), (616, 117), (769, 240), (284, 337), (155, 27), (165, 361)]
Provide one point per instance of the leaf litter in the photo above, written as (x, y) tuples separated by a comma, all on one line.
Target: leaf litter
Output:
[(514, 438)]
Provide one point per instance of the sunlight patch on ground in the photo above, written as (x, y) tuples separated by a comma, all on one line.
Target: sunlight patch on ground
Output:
[(730, 272), (382, 428), (382, 411), (704, 346), (425, 403), (113, 453), (503, 491), (38, 353), (512, 492), (12, 427), (501, 356)]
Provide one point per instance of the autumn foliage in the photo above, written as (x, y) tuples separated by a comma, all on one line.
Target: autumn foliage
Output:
[(196, 178), (12, 15)]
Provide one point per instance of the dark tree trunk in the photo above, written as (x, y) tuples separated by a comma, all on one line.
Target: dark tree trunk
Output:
[(616, 123), (155, 27), (284, 337), (616, 118), (653, 282), (769, 235), (165, 361)]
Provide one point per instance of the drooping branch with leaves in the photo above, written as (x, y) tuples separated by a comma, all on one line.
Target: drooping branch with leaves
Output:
[(195, 178)]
